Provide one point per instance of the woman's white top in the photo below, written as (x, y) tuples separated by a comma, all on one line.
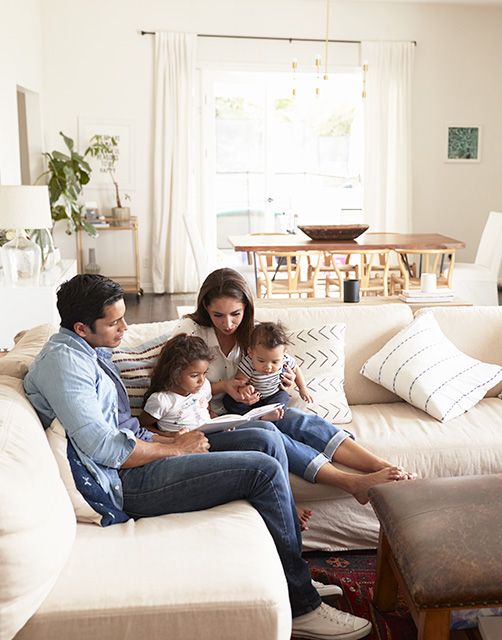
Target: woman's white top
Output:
[(221, 367), (174, 412)]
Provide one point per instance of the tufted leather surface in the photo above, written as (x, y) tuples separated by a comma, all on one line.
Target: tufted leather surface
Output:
[(446, 537)]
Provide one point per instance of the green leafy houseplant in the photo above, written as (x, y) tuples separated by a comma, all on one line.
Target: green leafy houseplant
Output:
[(67, 174), (106, 149)]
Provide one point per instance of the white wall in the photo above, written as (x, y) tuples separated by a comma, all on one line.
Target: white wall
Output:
[(96, 65), (20, 64)]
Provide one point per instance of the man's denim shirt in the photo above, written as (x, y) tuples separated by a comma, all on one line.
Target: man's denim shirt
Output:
[(68, 381)]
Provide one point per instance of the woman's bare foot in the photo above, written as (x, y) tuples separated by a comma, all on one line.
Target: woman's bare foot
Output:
[(304, 516), (407, 475), (358, 485)]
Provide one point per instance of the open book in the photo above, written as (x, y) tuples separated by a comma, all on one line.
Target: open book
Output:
[(232, 420)]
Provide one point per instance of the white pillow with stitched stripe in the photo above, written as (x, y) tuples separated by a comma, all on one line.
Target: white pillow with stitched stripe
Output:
[(423, 367), (320, 354)]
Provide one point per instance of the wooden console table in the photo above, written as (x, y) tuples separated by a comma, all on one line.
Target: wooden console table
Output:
[(130, 283)]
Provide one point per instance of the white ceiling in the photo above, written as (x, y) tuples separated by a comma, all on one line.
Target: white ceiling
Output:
[(476, 3)]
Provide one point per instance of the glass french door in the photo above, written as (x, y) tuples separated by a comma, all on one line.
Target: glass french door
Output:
[(274, 160)]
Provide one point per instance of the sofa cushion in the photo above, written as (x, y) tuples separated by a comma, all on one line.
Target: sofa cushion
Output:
[(473, 330), (424, 368), (164, 577), (320, 354), (37, 523), (27, 345), (398, 432), (368, 329)]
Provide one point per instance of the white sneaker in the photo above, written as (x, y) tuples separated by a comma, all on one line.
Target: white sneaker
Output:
[(328, 623), (325, 590)]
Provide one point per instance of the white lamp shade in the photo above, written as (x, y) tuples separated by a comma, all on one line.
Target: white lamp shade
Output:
[(24, 207)]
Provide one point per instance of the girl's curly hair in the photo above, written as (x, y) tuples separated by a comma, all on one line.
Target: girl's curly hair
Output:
[(176, 355)]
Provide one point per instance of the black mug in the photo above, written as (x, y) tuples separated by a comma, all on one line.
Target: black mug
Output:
[(351, 290)]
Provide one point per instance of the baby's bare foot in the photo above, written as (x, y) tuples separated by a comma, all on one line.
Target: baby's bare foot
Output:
[(361, 483), (304, 516)]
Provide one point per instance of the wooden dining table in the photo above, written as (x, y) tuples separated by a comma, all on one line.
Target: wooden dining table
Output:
[(251, 243), (301, 242)]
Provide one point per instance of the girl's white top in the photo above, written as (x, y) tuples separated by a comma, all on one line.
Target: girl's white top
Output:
[(221, 367), (174, 412)]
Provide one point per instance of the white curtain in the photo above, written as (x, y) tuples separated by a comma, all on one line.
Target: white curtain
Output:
[(387, 164), (172, 261)]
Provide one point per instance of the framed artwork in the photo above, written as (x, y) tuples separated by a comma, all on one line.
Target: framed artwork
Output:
[(123, 131), (463, 144)]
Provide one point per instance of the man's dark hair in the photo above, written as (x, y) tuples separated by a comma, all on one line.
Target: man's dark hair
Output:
[(84, 298), (269, 335)]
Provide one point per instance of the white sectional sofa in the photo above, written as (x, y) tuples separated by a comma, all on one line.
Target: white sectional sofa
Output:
[(213, 573)]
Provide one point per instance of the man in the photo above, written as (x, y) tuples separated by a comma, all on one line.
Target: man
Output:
[(74, 380)]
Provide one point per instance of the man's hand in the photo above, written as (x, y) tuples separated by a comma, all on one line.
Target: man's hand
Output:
[(191, 442)]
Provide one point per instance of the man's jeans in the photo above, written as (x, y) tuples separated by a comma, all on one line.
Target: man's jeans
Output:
[(249, 464)]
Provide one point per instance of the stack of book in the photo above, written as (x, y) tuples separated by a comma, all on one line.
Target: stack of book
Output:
[(416, 295)]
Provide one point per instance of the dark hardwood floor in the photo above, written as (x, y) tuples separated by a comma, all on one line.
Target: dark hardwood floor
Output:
[(153, 307)]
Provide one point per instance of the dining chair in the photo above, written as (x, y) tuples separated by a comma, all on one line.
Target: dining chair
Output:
[(414, 262), (370, 266), (291, 273), (477, 282)]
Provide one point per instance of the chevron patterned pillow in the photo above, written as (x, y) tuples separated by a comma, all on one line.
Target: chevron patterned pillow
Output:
[(320, 353)]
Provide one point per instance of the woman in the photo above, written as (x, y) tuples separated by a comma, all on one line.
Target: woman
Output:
[(224, 318)]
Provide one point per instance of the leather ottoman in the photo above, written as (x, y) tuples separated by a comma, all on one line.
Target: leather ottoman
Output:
[(441, 542)]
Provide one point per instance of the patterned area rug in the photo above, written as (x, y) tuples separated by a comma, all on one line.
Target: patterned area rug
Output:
[(355, 572)]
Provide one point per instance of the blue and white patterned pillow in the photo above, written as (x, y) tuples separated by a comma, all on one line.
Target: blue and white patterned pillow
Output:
[(135, 365), (89, 500), (423, 367)]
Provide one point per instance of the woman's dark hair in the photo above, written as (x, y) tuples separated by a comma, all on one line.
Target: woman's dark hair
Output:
[(269, 335), (226, 283), (84, 298), (177, 354)]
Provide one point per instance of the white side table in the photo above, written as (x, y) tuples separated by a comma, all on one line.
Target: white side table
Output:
[(25, 305)]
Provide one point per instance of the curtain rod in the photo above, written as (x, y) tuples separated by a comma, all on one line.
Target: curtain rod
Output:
[(211, 35), (290, 40)]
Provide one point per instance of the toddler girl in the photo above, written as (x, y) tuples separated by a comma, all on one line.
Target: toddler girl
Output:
[(179, 394)]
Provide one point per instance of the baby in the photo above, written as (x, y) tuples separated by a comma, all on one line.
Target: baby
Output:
[(263, 366)]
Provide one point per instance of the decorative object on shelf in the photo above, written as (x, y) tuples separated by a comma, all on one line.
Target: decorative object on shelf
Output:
[(23, 207), (106, 149), (333, 231), (92, 266), (49, 254), (464, 144), (68, 173)]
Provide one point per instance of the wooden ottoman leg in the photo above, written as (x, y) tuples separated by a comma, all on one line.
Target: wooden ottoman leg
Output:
[(385, 597), (434, 624)]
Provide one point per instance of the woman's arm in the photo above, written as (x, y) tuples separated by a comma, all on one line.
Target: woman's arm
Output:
[(237, 388)]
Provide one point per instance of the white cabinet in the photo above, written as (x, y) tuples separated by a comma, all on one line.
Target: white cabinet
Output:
[(34, 302)]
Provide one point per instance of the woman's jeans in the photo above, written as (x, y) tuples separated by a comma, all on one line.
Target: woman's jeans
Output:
[(310, 441), (245, 464)]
